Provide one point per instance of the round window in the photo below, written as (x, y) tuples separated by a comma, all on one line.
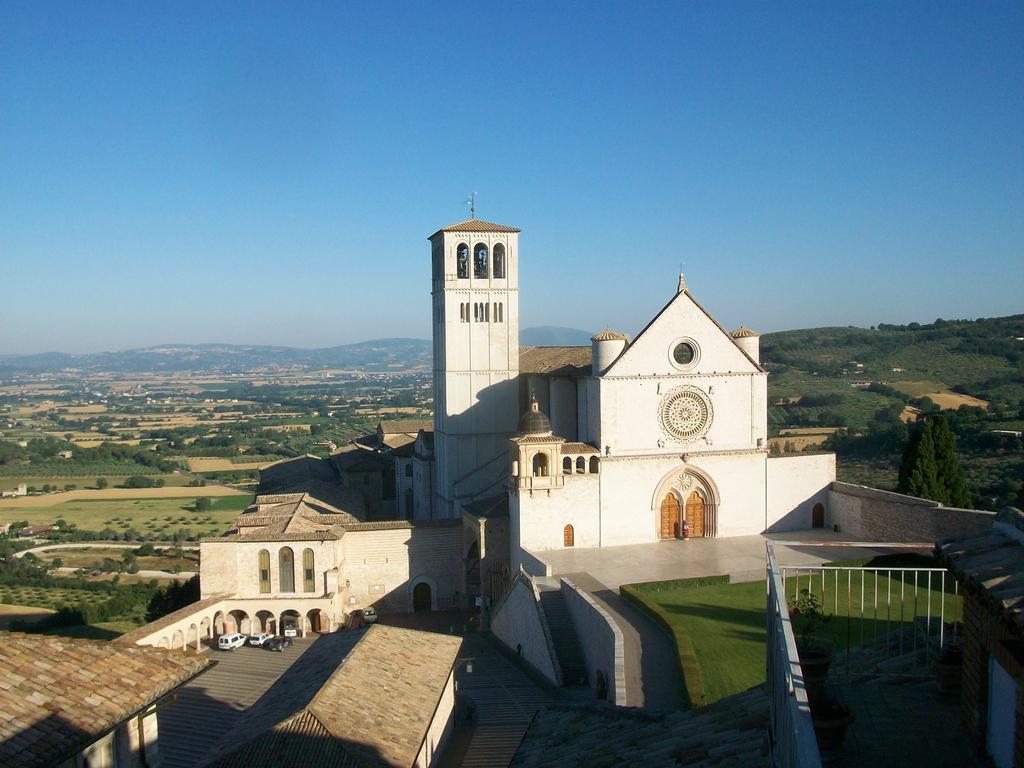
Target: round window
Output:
[(683, 353)]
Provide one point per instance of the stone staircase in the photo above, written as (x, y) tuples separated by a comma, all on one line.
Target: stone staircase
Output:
[(563, 633)]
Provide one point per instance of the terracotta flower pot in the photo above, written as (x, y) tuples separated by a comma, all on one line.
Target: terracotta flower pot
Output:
[(830, 724), (814, 664)]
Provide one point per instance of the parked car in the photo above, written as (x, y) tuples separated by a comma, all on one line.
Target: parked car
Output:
[(259, 639), (290, 625), (369, 615), (279, 644), (230, 641)]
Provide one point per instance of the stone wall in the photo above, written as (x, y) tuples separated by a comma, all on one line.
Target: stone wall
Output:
[(384, 562), (867, 514), (795, 485), (601, 640), (520, 625)]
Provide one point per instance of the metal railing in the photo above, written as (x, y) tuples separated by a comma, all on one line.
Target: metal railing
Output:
[(792, 732), (889, 621)]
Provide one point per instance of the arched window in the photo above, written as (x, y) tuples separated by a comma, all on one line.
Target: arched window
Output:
[(476, 312), (568, 536), (499, 260), (286, 568), (487, 312), (308, 577), (566, 466), (462, 260), (540, 465), (264, 568), (595, 465), (480, 260), (466, 318), (581, 465), (501, 312)]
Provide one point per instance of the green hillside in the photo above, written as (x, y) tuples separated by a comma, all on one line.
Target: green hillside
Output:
[(862, 380)]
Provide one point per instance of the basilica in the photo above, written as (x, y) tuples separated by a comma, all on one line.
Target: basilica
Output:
[(531, 449)]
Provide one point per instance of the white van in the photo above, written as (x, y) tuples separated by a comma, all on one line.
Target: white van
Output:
[(230, 641)]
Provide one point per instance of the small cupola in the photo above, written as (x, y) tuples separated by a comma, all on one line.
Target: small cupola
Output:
[(534, 421), (749, 341)]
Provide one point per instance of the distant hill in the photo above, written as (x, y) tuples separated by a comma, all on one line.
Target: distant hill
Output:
[(375, 355), (553, 336)]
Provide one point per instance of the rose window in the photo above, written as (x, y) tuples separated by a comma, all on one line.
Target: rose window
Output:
[(685, 414)]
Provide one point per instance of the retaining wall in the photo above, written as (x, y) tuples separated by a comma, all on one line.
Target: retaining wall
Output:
[(519, 624), (868, 514), (601, 640)]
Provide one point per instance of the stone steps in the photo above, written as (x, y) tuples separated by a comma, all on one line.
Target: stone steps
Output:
[(563, 635)]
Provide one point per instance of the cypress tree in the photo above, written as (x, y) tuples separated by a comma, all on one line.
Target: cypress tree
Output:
[(930, 469), (953, 481)]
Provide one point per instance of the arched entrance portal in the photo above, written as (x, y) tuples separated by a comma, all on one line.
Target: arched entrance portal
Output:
[(818, 516), (695, 514), (669, 517), (421, 597)]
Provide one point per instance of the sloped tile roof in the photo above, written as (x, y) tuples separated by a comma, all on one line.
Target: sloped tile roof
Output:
[(577, 448), (58, 695), (375, 703), (555, 361), (607, 335), (406, 426), (145, 630), (313, 476), (731, 732), (991, 565), (475, 225)]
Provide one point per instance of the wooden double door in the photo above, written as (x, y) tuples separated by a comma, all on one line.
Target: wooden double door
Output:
[(672, 515)]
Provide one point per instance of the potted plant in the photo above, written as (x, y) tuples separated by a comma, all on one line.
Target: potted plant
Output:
[(948, 667), (831, 718), (815, 658)]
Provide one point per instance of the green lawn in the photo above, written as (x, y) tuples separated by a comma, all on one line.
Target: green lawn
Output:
[(720, 629), (158, 516)]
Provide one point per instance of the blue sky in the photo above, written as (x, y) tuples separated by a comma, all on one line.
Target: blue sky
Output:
[(268, 173)]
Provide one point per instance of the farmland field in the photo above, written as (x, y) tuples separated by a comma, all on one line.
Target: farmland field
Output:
[(223, 465), (159, 517), (116, 494)]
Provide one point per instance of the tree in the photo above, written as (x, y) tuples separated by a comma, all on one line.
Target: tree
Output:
[(203, 504), (930, 468), (101, 483)]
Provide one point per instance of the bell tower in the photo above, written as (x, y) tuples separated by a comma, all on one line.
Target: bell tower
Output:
[(475, 298)]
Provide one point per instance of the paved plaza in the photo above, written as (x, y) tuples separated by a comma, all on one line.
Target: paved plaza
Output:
[(741, 557)]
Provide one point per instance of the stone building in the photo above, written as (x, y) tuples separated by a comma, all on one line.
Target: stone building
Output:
[(990, 568), (621, 442)]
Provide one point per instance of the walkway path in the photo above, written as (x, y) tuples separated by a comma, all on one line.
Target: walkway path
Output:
[(502, 699), (100, 545), (653, 679)]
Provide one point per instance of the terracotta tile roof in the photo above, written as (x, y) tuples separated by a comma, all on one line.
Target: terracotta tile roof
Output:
[(580, 448), (744, 333), (314, 476), (991, 565), (58, 695), (607, 335), (475, 225), (406, 426), (731, 732), (373, 705), (555, 361)]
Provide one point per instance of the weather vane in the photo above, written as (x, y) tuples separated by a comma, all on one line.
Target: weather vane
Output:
[(471, 202)]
